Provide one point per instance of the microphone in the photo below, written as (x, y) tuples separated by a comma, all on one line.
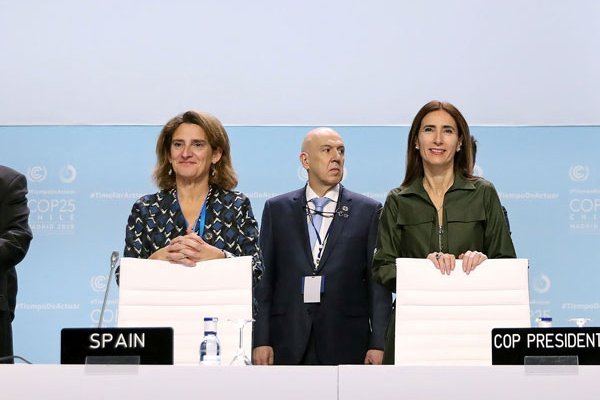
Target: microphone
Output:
[(114, 262), (12, 358)]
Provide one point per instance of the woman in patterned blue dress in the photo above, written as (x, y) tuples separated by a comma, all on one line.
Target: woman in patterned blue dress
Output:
[(196, 216)]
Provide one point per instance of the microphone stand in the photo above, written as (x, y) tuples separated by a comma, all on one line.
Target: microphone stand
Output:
[(114, 261)]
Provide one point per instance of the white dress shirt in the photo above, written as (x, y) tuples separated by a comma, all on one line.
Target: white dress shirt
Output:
[(330, 207)]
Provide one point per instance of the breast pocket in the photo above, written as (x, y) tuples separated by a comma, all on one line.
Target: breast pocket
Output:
[(471, 214), (416, 230), (466, 228)]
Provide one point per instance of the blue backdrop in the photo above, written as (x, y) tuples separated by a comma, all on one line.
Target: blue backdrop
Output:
[(83, 181)]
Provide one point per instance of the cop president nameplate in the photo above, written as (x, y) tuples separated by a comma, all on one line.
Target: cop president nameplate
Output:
[(116, 345), (511, 346)]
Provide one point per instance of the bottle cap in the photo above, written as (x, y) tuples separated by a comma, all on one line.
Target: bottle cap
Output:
[(210, 324), (544, 322)]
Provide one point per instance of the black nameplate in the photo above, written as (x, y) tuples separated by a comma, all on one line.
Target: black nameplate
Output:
[(511, 346), (116, 345)]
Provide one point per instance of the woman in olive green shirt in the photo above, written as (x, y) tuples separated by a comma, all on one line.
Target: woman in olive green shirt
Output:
[(441, 211)]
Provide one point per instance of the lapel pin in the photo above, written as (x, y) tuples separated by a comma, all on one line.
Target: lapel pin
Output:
[(343, 211)]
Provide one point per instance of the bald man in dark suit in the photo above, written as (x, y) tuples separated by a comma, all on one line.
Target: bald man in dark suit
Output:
[(317, 304)]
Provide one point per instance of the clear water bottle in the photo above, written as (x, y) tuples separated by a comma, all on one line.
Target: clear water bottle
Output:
[(210, 347)]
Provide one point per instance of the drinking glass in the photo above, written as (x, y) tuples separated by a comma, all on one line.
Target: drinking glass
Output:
[(240, 357)]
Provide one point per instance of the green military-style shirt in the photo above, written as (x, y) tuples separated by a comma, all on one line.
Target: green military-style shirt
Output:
[(409, 228)]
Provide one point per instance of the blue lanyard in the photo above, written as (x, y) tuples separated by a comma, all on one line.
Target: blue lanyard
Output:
[(199, 225), (321, 243)]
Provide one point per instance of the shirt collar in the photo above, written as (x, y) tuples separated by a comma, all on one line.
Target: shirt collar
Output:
[(416, 186), (331, 194)]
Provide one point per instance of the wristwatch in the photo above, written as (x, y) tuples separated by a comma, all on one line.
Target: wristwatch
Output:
[(227, 254)]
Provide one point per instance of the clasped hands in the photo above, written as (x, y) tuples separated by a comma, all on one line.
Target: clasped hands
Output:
[(187, 250), (445, 262)]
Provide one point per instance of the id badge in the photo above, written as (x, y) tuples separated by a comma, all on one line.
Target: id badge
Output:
[(312, 286)]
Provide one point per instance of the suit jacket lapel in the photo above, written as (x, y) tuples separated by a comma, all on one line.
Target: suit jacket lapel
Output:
[(299, 222), (337, 226)]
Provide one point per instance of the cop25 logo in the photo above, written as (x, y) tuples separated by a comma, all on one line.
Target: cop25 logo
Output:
[(39, 173), (68, 173), (542, 283), (579, 173)]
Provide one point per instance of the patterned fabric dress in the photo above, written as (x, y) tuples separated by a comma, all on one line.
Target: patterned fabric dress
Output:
[(156, 219)]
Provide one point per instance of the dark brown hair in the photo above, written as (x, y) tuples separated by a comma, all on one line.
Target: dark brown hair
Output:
[(463, 160)]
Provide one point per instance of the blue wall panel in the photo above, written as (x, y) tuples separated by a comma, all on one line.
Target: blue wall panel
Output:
[(83, 181)]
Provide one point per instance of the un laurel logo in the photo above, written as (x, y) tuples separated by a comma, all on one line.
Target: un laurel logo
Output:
[(37, 173), (303, 174), (579, 173), (98, 283)]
